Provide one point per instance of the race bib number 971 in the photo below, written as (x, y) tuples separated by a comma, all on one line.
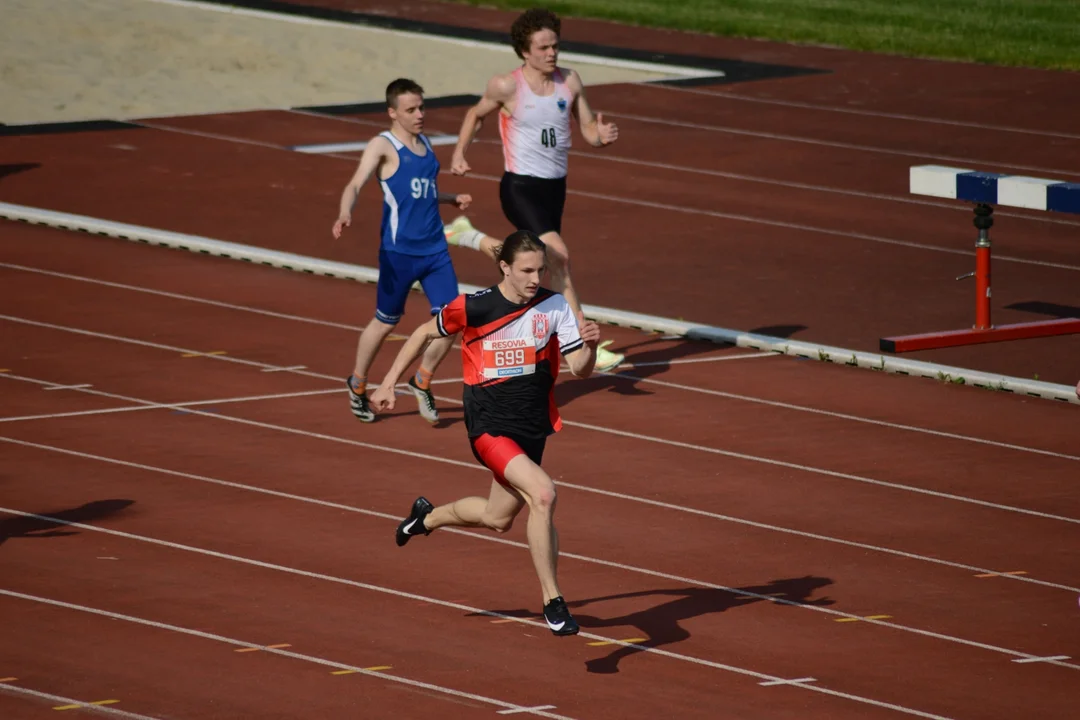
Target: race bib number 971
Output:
[(507, 358)]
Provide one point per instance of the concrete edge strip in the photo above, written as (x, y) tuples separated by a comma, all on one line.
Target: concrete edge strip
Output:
[(609, 316)]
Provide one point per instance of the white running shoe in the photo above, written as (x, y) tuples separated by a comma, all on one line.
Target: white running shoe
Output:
[(606, 361), (426, 401), (454, 230)]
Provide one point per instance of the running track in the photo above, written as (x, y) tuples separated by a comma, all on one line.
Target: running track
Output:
[(202, 530)]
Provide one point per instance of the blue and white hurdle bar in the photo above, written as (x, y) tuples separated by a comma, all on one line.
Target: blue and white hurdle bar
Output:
[(987, 189), (608, 316)]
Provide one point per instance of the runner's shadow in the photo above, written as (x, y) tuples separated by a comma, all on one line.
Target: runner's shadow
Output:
[(445, 422), (16, 168), (1045, 308), (28, 527), (650, 363), (660, 625), (456, 414)]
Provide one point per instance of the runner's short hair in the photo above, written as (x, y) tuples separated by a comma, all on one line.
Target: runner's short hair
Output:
[(529, 22), (399, 87)]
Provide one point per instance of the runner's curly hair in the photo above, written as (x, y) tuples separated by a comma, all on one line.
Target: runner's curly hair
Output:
[(517, 243), (529, 22)]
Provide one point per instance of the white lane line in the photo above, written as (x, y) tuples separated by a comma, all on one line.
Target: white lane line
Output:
[(597, 428), (641, 202), (61, 700), (842, 416), (526, 710), (864, 112), (194, 299), (795, 681), (339, 118), (290, 368), (178, 296), (817, 471), (357, 146), (441, 603), (1048, 658), (689, 361), (834, 143), (155, 125), (171, 406), (608, 157), (587, 426), (740, 592), (159, 346), (68, 387), (697, 211), (651, 380), (811, 187), (276, 651)]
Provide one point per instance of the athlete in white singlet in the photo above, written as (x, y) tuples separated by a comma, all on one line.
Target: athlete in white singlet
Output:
[(536, 134), (535, 103)]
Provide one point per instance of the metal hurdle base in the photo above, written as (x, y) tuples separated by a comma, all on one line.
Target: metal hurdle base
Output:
[(983, 331)]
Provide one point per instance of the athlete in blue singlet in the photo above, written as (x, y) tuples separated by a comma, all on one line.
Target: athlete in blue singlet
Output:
[(413, 244)]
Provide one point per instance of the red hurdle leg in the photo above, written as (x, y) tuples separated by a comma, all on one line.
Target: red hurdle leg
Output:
[(983, 331), (983, 221)]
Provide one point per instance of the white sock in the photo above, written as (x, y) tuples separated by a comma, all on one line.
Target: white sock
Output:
[(470, 239)]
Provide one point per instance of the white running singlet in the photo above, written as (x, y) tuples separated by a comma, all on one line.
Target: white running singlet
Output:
[(536, 137)]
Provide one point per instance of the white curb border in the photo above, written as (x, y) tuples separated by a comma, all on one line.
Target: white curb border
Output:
[(610, 316)]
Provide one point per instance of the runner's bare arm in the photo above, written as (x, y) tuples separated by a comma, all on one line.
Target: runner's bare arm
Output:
[(498, 93), (374, 155), (593, 128), (583, 360), (383, 398), (462, 200)]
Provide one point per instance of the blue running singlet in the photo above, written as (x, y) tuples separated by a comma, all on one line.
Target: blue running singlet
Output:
[(411, 224)]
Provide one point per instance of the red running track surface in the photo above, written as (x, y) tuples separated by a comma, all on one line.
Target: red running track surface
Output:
[(738, 518)]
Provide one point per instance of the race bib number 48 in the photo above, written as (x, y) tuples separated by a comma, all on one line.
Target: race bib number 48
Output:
[(506, 358)]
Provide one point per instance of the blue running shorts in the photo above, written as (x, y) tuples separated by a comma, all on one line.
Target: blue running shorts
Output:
[(398, 272)]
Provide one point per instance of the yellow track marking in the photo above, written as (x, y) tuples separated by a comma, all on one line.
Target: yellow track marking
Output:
[(1011, 572), (612, 642), (76, 707)]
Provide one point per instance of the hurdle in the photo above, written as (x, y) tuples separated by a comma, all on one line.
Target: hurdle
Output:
[(987, 189)]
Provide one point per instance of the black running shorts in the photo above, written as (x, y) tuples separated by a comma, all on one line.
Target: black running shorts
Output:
[(532, 203)]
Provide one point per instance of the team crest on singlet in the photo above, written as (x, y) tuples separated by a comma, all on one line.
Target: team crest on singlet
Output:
[(562, 104), (540, 327)]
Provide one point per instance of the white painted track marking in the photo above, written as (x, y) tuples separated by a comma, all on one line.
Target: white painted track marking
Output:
[(245, 644)]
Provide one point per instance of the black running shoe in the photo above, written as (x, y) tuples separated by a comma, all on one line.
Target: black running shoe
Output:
[(426, 400), (358, 403), (559, 619), (414, 524)]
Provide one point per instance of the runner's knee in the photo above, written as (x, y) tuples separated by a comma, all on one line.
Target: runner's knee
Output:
[(557, 252), (558, 264), (385, 322), (543, 498)]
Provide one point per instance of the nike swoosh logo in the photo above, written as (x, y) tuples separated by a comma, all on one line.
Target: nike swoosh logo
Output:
[(555, 626), (408, 527)]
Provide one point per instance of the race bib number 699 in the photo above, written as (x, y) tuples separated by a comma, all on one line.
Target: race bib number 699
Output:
[(507, 358)]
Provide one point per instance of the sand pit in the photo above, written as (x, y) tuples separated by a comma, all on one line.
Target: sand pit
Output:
[(67, 60)]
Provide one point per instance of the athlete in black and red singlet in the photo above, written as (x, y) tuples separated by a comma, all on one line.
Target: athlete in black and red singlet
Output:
[(514, 336)]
